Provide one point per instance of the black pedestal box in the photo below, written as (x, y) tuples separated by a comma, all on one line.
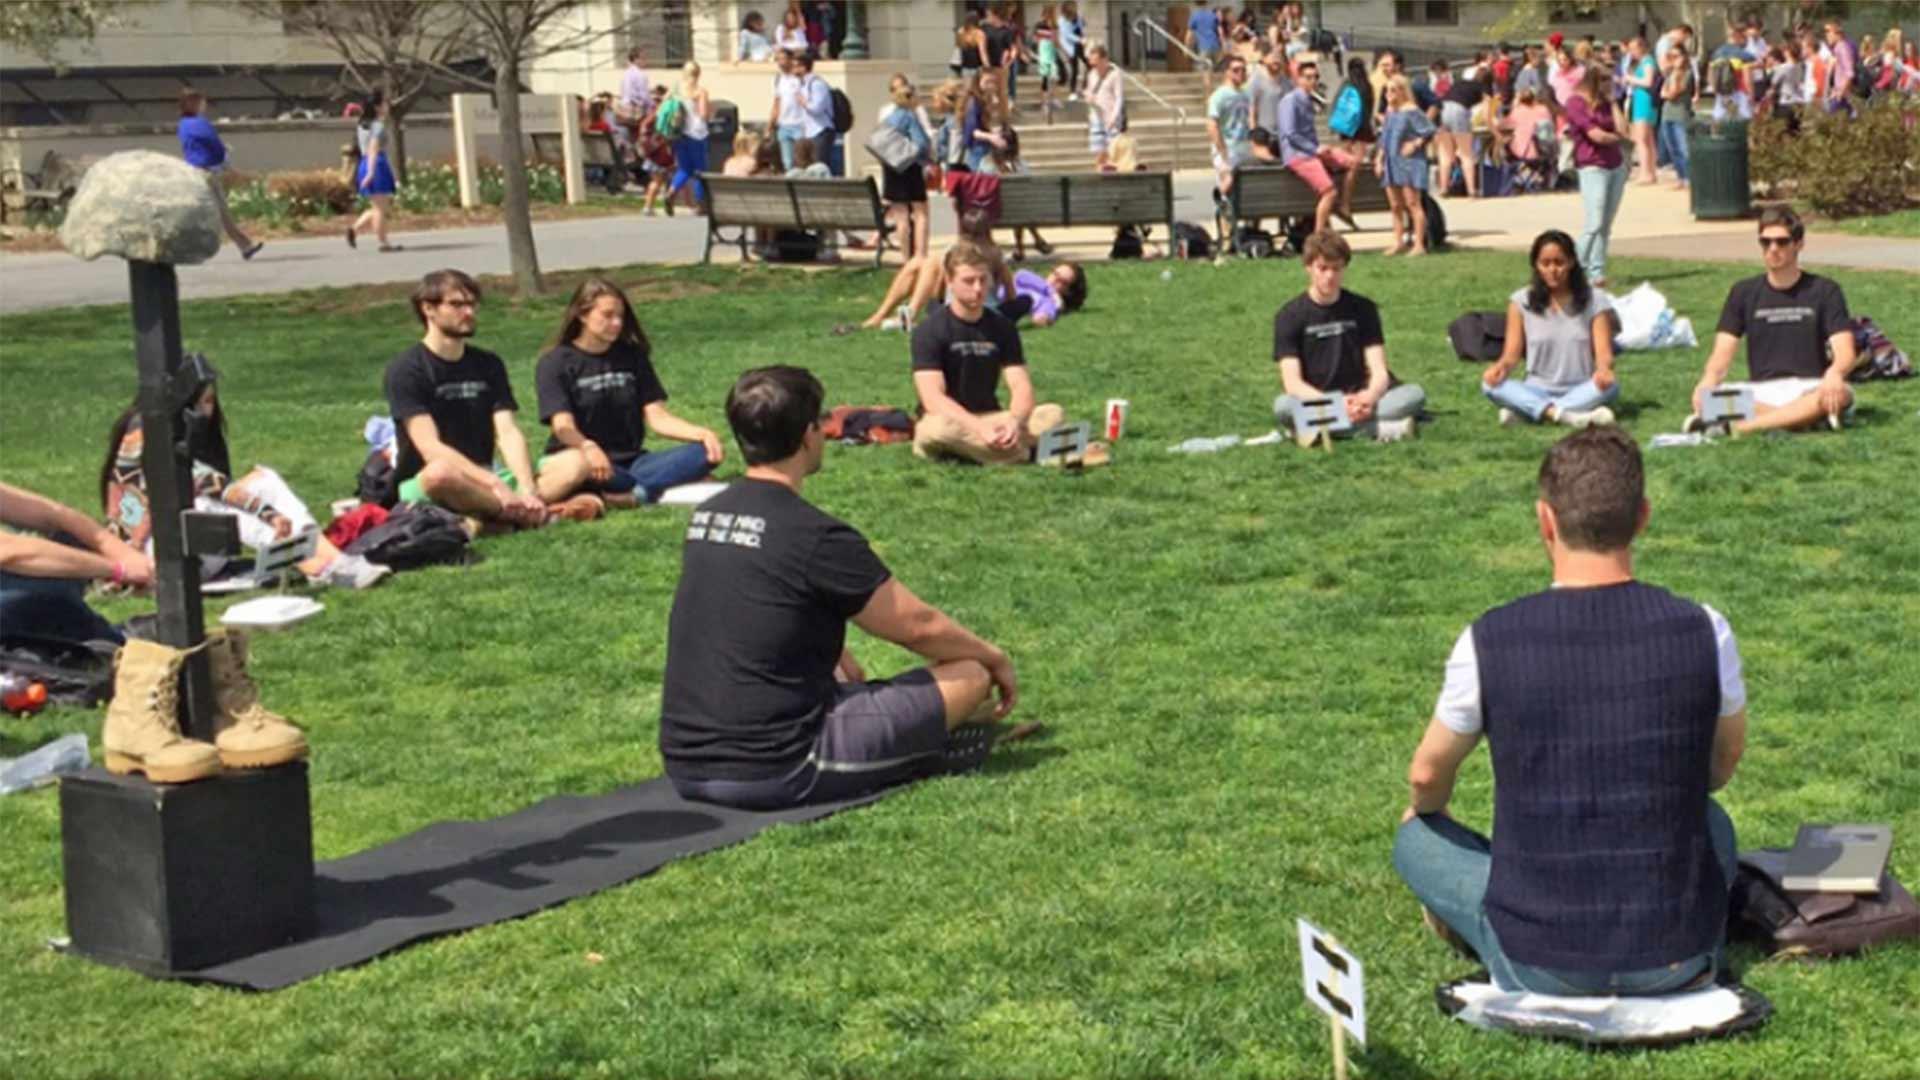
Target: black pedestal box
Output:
[(170, 878)]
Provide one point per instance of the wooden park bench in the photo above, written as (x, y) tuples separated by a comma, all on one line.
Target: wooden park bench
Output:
[(46, 191), (1267, 191), (744, 203), (1031, 200), (599, 159)]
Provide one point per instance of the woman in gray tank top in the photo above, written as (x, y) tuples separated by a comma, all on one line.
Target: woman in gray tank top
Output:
[(1563, 327)]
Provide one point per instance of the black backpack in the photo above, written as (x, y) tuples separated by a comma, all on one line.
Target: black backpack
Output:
[(1436, 222), (74, 673), (842, 111), (375, 486), (792, 246), (1190, 241), (414, 536), (1252, 243), (1478, 336), (1128, 243)]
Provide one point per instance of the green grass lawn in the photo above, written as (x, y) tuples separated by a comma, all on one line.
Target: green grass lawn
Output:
[(1234, 654), (1900, 223)]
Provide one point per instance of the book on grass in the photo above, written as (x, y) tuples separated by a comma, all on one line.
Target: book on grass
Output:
[(1838, 858)]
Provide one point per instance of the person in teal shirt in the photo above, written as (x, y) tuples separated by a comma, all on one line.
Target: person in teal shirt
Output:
[(1230, 123)]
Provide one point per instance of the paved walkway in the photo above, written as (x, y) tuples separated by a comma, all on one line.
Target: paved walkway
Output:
[(1652, 222)]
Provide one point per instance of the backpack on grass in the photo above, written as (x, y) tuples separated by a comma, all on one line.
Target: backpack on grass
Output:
[(1190, 241), (413, 537)]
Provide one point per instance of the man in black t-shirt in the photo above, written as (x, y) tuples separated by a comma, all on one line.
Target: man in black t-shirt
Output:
[(763, 705), (1799, 340), (453, 408), (1328, 341), (961, 351), (599, 394)]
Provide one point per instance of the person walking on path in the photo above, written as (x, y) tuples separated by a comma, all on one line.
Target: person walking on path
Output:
[(1593, 127), (374, 178), (690, 145), (1106, 104), (200, 145)]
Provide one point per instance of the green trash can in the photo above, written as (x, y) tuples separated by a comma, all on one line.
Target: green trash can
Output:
[(1717, 169)]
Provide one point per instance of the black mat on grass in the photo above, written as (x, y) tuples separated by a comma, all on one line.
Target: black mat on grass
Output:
[(457, 875)]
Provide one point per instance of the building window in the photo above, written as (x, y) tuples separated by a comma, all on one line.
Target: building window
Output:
[(663, 29), (1426, 13)]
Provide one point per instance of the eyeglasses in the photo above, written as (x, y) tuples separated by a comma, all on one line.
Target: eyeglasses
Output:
[(1776, 241), (467, 305)]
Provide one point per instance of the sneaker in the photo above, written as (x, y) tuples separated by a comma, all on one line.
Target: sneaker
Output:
[(1600, 417), (352, 572), (582, 507), (1833, 421), (1393, 430), (905, 317), (1508, 417)]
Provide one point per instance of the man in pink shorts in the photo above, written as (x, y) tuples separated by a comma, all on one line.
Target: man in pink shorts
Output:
[(1300, 150)]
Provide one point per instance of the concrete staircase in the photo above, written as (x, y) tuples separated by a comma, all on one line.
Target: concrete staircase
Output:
[(1161, 140)]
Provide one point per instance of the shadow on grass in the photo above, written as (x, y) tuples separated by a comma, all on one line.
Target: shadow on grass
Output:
[(1384, 1061)]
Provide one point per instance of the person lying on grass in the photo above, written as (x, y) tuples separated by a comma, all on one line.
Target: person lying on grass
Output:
[(600, 396), (1017, 295), (961, 352), (1328, 341), (1799, 341), (263, 506), (1612, 709), (452, 409), (763, 705), (1563, 328)]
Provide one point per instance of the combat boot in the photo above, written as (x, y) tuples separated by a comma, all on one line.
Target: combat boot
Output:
[(142, 733), (246, 734)]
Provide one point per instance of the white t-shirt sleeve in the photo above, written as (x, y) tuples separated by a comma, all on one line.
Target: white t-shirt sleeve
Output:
[(1459, 704), (1733, 685)]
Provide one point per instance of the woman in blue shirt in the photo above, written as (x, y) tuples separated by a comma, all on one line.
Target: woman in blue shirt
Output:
[(200, 144), (905, 190), (374, 176)]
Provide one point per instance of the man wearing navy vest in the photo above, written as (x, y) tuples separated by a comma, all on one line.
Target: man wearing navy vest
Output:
[(1611, 708)]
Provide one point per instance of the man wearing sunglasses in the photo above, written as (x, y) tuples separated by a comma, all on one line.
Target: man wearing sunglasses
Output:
[(1799, 341)]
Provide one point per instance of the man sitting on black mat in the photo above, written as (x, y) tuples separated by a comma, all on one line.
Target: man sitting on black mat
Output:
[(1612, 709), (763, 705)]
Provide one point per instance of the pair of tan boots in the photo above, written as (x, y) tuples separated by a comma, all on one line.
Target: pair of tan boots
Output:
[(143, 723)]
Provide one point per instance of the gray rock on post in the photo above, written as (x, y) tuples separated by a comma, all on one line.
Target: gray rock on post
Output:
[(141, 205)]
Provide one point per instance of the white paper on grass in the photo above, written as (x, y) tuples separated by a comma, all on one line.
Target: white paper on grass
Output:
[(1596, 1019), (1646, 322), (271, 612), (690, 494)]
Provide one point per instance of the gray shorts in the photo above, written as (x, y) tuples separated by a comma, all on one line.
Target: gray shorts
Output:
[(1455, 117), (875, 734)]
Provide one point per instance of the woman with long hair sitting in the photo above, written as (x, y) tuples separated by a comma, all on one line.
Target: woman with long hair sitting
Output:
[(599, 396), (1563, 328)]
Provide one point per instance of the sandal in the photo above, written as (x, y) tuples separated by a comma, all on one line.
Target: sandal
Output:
[(353, 240)]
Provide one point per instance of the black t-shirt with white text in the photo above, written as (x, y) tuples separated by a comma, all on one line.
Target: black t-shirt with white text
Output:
[(969, 354), (1330, 341), (767, 584), (460, 395), (605, 392), (1786, 329)]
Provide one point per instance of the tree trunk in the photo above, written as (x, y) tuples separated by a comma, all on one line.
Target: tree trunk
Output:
[(397, 137), (513, 164)]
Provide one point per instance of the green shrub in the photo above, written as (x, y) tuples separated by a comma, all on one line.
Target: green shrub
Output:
[(1842, 166), (313, 193)]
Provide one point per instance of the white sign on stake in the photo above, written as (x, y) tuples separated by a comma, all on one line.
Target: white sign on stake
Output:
[(1332, 979)]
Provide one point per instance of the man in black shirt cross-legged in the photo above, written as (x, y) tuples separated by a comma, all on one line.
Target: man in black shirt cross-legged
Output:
[(1328, 341), (763, 705), (1799, 340)]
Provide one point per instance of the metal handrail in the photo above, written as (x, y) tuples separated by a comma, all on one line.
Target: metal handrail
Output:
[(1143, 24), (1179, 113)]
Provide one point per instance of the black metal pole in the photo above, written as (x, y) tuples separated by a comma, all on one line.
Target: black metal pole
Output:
[(169, 472)]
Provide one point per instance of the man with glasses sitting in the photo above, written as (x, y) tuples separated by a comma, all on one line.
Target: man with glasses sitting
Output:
[(1799, 341)]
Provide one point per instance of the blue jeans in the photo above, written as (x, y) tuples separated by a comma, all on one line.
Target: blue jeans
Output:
[(1600, 191), (650, 474), (1531, 400), (52, 608), (790, 136), (1447, 866), (1672, 138), (827, 151), (689, 160)]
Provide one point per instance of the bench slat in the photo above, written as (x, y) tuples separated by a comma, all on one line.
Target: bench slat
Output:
[(1268, 191)]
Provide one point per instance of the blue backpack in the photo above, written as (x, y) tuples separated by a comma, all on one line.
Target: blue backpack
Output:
[(1345, 119)]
